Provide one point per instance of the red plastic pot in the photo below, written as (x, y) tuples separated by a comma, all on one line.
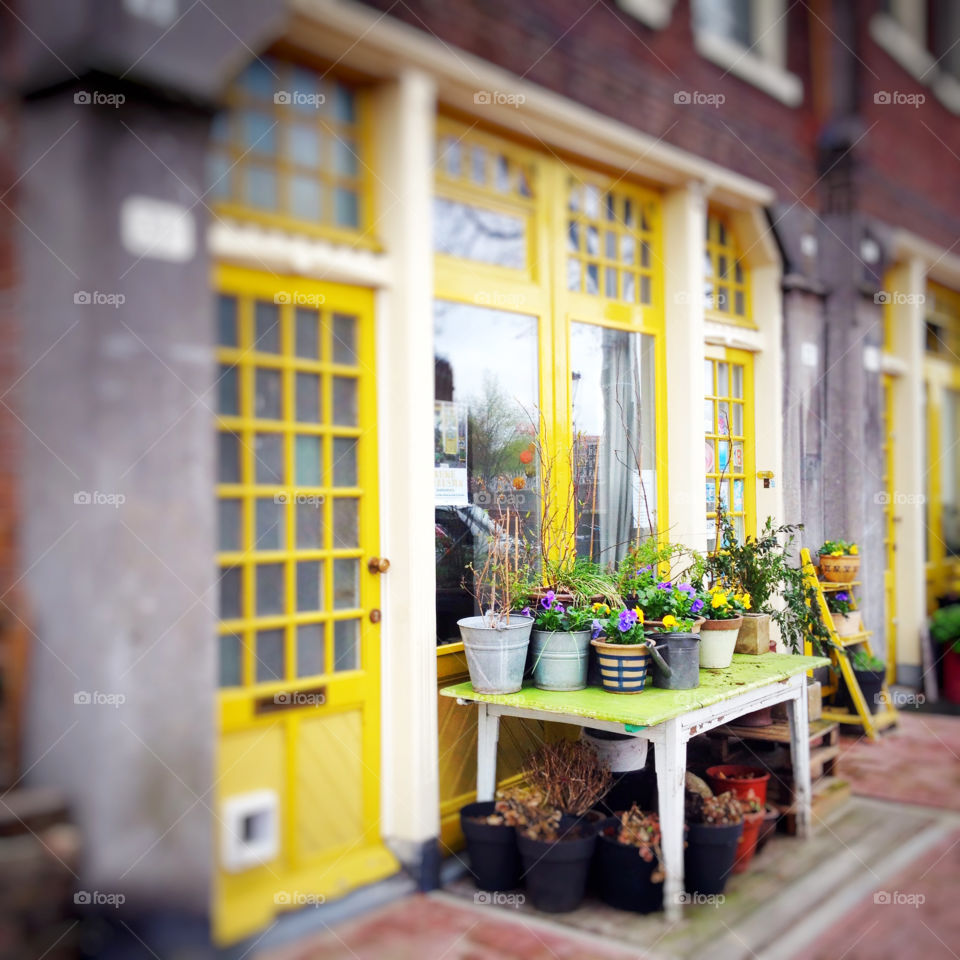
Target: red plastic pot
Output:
[(748, 840), (951, 675), (747, 783)]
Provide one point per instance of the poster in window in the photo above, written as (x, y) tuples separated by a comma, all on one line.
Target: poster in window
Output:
[(738, 458), (711, 494), (709, 458), (723, 454), (738, 496), (450, 453)]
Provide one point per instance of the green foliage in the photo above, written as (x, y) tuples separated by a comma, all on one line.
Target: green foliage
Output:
[(619, 626), (584, 579), (553, 616), (945, 626), (838, 548), (643, 564), (861, 660), (839, 601)]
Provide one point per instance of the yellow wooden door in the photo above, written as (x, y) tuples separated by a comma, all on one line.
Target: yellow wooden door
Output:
[(297, 776)]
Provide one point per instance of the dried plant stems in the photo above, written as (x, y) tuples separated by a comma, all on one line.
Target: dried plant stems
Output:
[(568, 775)]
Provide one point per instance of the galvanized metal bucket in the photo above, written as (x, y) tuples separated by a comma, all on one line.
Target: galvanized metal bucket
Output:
[(560, 659), (681, 651), (496, 656)]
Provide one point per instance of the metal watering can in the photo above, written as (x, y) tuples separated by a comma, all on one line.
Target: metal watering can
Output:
[(676, 660)]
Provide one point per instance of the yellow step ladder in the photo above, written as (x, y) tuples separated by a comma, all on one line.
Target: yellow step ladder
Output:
[(872, 723)]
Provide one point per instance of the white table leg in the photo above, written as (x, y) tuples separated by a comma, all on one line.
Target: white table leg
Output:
[(488, 733), (800, 756), (670, 757)]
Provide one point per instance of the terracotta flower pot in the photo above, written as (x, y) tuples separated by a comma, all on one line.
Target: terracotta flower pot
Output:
[(839, 569), (747, 846), (747, 783), (718, 640)]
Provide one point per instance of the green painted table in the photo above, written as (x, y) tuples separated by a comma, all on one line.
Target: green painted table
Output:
[(668, 719)]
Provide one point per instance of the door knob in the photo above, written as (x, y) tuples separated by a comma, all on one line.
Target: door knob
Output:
[(378, 564)]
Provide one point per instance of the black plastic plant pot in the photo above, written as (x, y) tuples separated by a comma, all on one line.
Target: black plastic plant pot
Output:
[(556, 873), (871, 683), (709, 856), (624, 877), (494, 858)]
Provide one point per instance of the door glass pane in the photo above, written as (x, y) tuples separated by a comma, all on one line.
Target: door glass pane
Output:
[(227, 321), (344, 462), (309, 585), (309, 513), (722, 387), (310, 649), (345, 401), (475, 233), (271, 524), (231, 593), (737, 371), (266, 332), (228, 457), (346, 645), (268, 458), (346, 584), (307, 336), (738, 419), (345, 339), (308, 398), (485, 409), (612, 397), (228, 400), (229, 522), (345, 523), (267, 394), (270, 580), (269, 655), (308, 461), (231, 669)]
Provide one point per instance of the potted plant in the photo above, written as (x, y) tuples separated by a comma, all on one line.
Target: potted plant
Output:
[(623, 652), (559, 644), (491, 845), (630, 862), (846, 620), (839, 561), (495, 643), (714, 827), (555, 838), (945, 629), (870, 672), (724, 610)]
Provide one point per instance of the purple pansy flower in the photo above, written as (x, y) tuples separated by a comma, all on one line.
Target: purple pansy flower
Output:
[(526, 612), (697, 606), (687, 589), (547, 601), (597, 629), (627, 619), (665, 585), (558, 608), (842, 597)]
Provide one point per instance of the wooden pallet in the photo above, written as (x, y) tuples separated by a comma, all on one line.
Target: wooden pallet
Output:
[(824, 742), (828, 794)]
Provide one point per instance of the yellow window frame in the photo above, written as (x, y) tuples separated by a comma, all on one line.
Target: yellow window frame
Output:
[(715, 248)]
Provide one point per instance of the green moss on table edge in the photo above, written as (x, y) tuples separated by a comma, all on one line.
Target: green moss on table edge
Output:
[(653, 705)]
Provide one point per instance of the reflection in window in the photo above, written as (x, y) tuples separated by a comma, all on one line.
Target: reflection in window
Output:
[(463, 230), (485, 389), (612, 398), (950, 473)]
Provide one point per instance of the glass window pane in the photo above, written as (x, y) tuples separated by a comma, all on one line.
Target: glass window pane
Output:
[(271, 523), (228, 457), (591, 204), (573, 274), (309, 585), (266, 327), (502, 173), (344, 462), (736, 459), (270, 656), (308, 334), (307, 88), (628, 249), (270, 580), (629, 288), (309, 511), (258, 132), (593, 282), (738, 419), (344, 104), (305, 203), (451, 155), (346, 645), (231, 660), (308, 397), (475, 233), (311, 645), (268, 458), (346, 583), (308, 461), (228, 398), (345, 339), (723, 418), (737, 370), (593, 241), (227, 321), (231, 593), (345, 401), (646, 291), (346, 207), (229, 523), (345, 157), (739, 306), (304, 145), (613, 419), (611, 283), (346, 531), (260, 188), (610, 248), (708, 377), (722, 380), (645, 255), (573, 236), (259, 79), (268, 394), (478, 165), (708, 423)]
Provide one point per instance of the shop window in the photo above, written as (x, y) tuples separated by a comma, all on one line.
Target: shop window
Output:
[(613, 408), (726, 291), (290, 147), (610, 242), (942, 330), (950, 473), (729, 442)]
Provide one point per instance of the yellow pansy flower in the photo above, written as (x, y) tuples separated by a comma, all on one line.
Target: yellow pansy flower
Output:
[(745, 600), (600, 608), (639, 614), (854, 549), (718, 600), (837, 553), (670, 620)]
